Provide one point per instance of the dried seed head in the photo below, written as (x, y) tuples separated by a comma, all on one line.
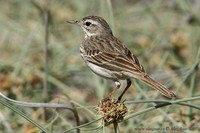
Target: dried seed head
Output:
[(111, 110)]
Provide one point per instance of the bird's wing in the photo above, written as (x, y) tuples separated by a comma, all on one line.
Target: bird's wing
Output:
[(111, 54)]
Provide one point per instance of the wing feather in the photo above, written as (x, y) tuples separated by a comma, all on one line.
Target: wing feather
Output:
[(110, 53)]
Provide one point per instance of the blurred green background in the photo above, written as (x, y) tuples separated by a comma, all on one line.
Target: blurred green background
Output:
[(163, 34)]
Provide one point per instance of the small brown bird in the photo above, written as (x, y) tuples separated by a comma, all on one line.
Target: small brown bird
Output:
[(108, 57)]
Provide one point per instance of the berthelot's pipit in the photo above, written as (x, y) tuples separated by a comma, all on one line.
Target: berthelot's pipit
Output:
[(108, 57)]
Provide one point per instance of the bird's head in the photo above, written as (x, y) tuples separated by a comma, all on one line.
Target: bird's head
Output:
[(93, 25)]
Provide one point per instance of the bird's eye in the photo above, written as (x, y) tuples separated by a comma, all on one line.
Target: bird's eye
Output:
[(87, 23)]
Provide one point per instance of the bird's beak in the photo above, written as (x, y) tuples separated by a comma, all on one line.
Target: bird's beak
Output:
[(73, 22)]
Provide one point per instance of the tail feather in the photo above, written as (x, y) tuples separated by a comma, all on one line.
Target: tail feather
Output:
[(158, 86)]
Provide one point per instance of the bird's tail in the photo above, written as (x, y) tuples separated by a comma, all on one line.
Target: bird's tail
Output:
[(158, 86)]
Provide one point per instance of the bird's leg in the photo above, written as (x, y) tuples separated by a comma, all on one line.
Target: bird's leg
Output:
[(127, 86), (118, 84)]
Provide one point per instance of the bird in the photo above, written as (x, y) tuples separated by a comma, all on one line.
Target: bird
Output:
[(109, 58)]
